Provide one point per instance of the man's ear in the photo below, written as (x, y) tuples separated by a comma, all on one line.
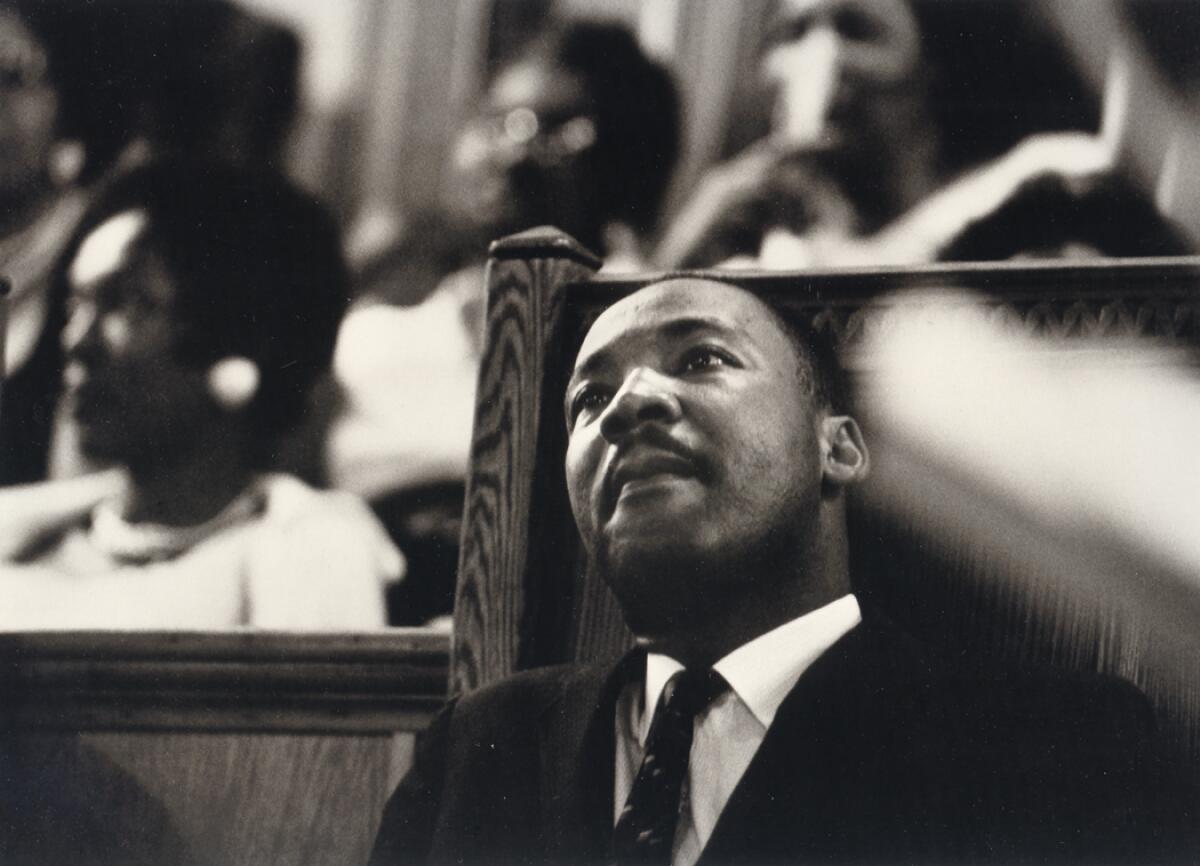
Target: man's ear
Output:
[(233, 382), (845, 459), (65, 161)]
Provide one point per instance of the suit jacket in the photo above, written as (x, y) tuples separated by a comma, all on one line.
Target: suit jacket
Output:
[(881, 753)]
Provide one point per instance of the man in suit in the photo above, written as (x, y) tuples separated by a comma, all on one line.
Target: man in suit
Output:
[(764, 717)]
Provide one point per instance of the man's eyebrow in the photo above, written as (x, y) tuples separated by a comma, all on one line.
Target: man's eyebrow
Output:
[(689, 325)]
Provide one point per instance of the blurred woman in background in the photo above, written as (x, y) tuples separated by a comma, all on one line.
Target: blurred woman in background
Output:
[(59, 130), (204, 300), (578, 130), (87, 91)]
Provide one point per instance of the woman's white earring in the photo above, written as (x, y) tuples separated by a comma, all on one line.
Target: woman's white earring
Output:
[(66, 162), (233, 382)]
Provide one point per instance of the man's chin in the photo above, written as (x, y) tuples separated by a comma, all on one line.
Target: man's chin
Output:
[(98, 441), (648, 577), (101, 453)]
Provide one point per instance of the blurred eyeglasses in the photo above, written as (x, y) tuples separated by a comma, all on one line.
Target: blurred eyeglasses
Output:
[(546, 139), (20, 68)]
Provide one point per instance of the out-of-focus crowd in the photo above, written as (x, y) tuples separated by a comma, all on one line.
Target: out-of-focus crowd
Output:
[(202, 396)]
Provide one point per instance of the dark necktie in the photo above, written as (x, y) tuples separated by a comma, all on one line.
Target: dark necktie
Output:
[(645, 829)]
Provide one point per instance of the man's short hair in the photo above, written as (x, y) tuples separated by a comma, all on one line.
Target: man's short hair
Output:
[(636, 107), (83, 53), (817, 349), (257, 267)]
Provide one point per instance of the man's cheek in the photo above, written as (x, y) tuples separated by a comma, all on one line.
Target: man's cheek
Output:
[(580, 472)]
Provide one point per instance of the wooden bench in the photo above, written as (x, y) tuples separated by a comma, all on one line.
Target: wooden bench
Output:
[(259, 747)]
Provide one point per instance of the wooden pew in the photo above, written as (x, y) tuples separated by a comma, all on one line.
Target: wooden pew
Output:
[(258, 747), (524, 599)]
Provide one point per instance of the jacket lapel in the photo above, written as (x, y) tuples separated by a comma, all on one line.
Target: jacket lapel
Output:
[(805, 785), (577, 759)]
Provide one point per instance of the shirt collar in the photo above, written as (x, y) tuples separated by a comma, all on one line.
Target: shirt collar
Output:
[(763, 671)]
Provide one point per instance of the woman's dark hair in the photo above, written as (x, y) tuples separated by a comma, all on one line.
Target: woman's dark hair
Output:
[(85, 57), (202, 76), (636, 107), (257, 267), (229, 88), (817, 348)]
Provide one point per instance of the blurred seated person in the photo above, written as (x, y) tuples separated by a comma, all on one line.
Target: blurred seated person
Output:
[(1051, 216), (60, 127), (851, 144), (892, 134), (578, 130), (204, 302), (206, 80), (86, 88), (215, 80)]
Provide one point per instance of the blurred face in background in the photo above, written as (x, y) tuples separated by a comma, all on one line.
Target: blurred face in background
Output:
[(28, 110), (836, 65), (131, 395), (524, 161)]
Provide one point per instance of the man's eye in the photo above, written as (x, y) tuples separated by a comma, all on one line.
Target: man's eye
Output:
[(856, 26), (588, 399), (704, 358), (789, 30)]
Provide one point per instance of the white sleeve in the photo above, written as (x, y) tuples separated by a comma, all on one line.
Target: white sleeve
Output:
[(324, 568)]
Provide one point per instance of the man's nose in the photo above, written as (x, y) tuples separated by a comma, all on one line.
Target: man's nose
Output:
[(82, 328), (644, 397)]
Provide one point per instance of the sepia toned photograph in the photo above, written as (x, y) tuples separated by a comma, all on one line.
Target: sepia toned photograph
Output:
[(679, 432)]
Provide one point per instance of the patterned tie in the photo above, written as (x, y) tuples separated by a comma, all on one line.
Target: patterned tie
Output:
[(645, 829)]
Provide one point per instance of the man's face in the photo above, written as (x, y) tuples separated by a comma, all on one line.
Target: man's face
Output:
[(693, 442), (28, 108), (834, 63), (523, 161), (131, 397)]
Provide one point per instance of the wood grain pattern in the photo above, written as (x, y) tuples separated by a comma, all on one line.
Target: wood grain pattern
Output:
[(5, 288), (513, 540), (262, 799), (246, 747), (947, 595)]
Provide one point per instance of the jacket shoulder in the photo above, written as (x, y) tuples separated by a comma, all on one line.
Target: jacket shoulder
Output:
[(518, 700)]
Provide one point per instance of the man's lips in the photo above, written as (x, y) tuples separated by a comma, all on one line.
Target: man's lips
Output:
[(86, 393), (642, 464)]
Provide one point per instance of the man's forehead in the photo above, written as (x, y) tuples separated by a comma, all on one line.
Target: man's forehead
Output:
[(789, 10), (534, 82), (893, 19), (676, 304)]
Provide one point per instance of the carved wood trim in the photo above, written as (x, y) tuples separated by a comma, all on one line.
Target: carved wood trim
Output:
[(506, 610), (222, 681), (1109, 299)]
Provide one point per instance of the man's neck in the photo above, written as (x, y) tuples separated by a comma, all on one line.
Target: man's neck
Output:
[(704, 642), (187, 493), (19, 209)]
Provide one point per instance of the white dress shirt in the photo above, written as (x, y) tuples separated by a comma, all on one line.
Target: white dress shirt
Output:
[(760, 674)]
